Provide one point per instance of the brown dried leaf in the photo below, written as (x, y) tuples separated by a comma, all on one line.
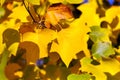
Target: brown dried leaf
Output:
[(10, 69), (57, 12), (26, 27), (32, 51)]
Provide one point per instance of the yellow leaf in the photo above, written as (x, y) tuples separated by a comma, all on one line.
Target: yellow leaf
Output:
[(107, 66), (111, 13), (13, 48), (19, 12), (89, 16), (56, 1), (87, 67), (42, 38), (71, 41), (98, 70)]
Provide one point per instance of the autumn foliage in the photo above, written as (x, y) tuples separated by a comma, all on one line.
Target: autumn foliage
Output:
[(59, 40)]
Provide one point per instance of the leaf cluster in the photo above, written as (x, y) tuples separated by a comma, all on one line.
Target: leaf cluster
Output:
[(40, 37)]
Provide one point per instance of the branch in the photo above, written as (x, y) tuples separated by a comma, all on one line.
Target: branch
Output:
[(29, 12)]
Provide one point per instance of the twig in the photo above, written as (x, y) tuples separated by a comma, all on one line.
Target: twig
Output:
[(29, 12)]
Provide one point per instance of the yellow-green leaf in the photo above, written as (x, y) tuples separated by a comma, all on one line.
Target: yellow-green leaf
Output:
[(98, 70), (2, 12), (13, 48), (102, 49), (86, 66), (79, 77), (99, 34)]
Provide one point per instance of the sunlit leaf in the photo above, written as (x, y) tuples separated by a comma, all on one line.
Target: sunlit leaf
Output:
[(86, 66), (79, 77), (13, 48), (102, 49), (19, 12), (74, 1), (56, 1), (68, 38), (2, 2), (111, 13), (35, 2), (107, 66), (89, 16), (2, 12), (41, 38), (98, 70)]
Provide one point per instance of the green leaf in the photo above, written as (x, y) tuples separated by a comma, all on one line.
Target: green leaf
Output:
[(34, 2), (2, 12), (3, 62), (79, 77), (2, 2), (102, 49), (74, 1), (88, 67), (99, 34)]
